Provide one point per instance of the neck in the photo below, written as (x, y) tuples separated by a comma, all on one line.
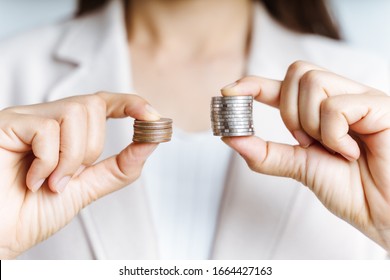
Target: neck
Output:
[(190, 27)]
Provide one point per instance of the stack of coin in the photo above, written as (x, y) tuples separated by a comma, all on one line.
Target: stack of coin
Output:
[(232, 116), (152, 131)]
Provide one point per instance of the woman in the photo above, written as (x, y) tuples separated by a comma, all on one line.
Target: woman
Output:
[(200, 200)]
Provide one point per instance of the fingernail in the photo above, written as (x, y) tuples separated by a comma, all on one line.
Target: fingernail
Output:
[(152, 111), (37, 185), (229, 86), (62, 184), (303, 139)]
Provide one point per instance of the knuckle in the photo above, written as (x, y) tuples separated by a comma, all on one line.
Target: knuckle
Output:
[(73, 109), (252, 164), (50, 126), (311, 78), (96, 102), (329, 106), (289, 117), (298, 66), (136, 98)]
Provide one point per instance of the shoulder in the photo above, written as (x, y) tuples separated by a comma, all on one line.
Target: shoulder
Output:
[(347, 60), (32, 44), (272, 40), (28, 64)]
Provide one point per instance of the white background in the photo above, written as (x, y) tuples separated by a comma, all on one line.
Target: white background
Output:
[(365, 23)]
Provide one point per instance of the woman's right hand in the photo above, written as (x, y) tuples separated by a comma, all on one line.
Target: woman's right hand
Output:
[(47, 155)]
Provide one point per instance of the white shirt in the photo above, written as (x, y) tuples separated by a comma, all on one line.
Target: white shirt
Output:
[(184, 182)]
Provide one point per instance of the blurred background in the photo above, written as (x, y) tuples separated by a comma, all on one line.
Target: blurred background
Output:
[(364, 23)]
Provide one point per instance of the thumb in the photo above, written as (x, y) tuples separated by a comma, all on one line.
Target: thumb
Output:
[(117, 171), (269, 157)]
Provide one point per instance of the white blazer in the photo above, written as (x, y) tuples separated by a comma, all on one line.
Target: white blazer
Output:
[(261, 217)]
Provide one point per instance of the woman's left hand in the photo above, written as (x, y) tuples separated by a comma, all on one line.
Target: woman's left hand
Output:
[(343, 128)]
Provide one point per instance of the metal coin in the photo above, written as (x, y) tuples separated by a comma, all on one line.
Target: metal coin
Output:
[(235, 109), (233, 122), (162, 121), (152, 137), (161, 131), (137, 126), (232, 127), (238, 97), (151, 140), (242, 103), (226, 112), (240, 119), (231, 105), (234, 134), (152, 131), (232, 130)]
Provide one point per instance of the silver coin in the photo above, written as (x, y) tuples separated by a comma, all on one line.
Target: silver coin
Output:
[(238, 97), (241, 119), (216, 101), (234, 134), (219, 126), (226, 112), (232, 112), (231, 127), (233, 130), (231, 105), (241, 103), (230, 116), (233, 122), (243, 109)]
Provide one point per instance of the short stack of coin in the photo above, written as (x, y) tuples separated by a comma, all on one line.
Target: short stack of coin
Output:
[(153, 131), (232, 115)]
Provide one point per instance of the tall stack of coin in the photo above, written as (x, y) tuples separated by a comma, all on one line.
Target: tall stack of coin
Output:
[(232, 115), (153, 131)]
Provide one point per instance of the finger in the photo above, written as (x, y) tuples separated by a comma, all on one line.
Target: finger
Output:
[(363, 114), (263, 90), (96, 129), (42, 135), (125, 105), (315, 86), (115, 172), (269, 157), (73, 139), (289, 95)]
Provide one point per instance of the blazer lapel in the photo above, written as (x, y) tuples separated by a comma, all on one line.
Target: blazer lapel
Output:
[(96, 48)]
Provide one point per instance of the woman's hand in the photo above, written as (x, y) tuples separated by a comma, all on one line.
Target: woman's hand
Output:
[(343, 129), (47, 155)]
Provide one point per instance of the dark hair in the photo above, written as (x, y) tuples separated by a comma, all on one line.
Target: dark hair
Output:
[(307, 16)]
